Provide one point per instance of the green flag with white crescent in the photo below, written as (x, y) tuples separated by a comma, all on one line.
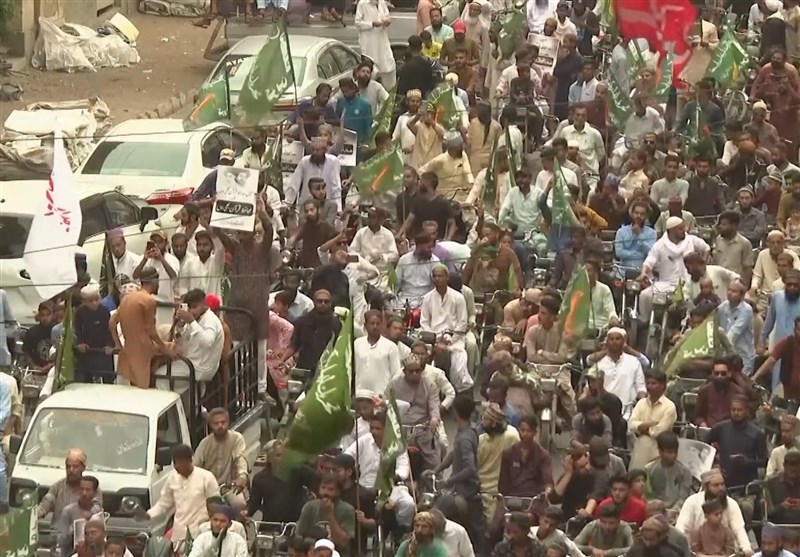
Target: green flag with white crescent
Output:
[(270, 76), (18, 532), (383, 120), (700, 342), (444, 105), (325, 415), (563, 215), (508, 27), (211, 105), (394, 445), (620, 106), (728, 60), (380, 174)]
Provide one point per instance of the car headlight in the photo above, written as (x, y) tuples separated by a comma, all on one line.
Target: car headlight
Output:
[(129, 504)]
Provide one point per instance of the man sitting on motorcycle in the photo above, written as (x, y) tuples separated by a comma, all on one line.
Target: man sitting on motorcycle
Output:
[(518, 311)]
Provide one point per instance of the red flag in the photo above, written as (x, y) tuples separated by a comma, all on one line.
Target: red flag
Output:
[(660, 22)]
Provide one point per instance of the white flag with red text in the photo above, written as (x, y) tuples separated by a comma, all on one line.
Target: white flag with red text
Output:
[(53, 238)]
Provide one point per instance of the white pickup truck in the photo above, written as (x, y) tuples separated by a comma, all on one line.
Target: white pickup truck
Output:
[(127, 434)]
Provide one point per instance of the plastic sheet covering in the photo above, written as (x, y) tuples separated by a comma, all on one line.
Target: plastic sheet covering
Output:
[(180, 8), (27, 137), (80, 50)]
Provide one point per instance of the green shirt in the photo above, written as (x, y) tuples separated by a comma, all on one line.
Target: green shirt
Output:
[(311, 515), (435, 549)]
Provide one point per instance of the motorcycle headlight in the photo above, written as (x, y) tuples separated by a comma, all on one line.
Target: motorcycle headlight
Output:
[(752, 74)]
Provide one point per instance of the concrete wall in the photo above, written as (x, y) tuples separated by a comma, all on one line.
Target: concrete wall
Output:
[(24, 24)]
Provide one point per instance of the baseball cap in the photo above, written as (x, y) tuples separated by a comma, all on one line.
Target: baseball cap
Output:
[(227, 155), (459, 26)]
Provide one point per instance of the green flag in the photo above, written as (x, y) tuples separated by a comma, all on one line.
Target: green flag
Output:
[(513, 285), (490, 178), (442, 101), (678, 296), (325, 414), (269, 78), (620, 106), (383, 120), (700, 342), (66, 349), (391, 279), (211, 105), (576, 307), (508, 27), (563, 215), (107, 271), (664, 82), (728, 60), (274, 170), (380, 174), (394, 445), (608, 18), (18, 532)]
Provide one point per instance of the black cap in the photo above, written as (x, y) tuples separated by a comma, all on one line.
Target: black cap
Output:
[(344, 460)]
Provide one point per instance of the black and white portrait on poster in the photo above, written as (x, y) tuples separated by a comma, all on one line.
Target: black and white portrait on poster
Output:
[(234, 207)]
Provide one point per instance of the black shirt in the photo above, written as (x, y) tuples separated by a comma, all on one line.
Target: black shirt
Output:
[(403, 205), (312, 333), (331, 278), (278, 500), (417, 73), (36, 344), (436, 209), (744, 439), (91, 328), (576, 494), (611, 406)]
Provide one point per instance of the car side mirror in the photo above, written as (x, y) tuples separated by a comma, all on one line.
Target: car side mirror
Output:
[(147, 214), (163, 456), (14, 444)]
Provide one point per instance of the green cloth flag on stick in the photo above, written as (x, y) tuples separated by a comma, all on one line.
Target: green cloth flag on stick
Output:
[(664, 82), (576, 307), (442, 101), (728, 60), (380, 174), (18, 532), (325, 414), (391, 279), (269, 78), (490, 186), (383, 120), (274, 170), (212, 103), (66, 351), (107, 271), (394, 445), (701, 342), (563, 215), (619, 104), (508, 27)]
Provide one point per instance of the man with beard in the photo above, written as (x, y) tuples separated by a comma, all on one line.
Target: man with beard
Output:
[(782, 492), (706, 195), (67, 490), (788, 438), (781, 164), (610, 404), (633, 242), (765, 271), (497, 436), (332, 278), (721, 278), (372, 20), (778, 85), (731, 249), (458, 42), (518, 542), (714, 399), (668, 479), (517, 312), (692, 517), (653, 541), (402, 132), (319, 164), (651, 416), (452, 169), (414, 271), (255, 156), (783, 317), (772, 537), (492, 266), (219, 540), (753, 223), (590, 422), (313, 331), (526, 469), (423, 542), (427, 205), (789, 202), (439, 31), (84, 508), (293, 303), (477, 19), (329, 508), (745, 168), (222, 452), (314, 232)]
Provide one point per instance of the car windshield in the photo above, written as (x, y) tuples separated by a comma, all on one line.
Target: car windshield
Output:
[(239, 66), (116, 442), (138, 158), (14, 232)]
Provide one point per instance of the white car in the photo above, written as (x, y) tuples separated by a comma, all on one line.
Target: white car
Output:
[(144, 157), (102, 210), (315, 59)]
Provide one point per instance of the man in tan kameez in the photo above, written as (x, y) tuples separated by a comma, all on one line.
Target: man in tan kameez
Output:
[(137, 318)]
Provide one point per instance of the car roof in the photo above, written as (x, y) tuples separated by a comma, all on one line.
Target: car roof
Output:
[(299, 45), (24, 197), (112, 398), (157, 130)]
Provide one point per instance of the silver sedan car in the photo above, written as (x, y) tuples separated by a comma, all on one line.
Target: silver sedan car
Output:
[(316, 60)]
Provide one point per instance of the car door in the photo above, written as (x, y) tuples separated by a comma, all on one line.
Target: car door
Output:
[(346, 58)]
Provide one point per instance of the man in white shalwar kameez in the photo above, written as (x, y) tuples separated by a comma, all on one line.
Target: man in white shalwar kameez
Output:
[(372, 21), (220, 541)]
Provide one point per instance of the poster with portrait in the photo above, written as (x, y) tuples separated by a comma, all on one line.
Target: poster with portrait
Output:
[(347, 156), (235, 206), (548, 51), (697, 456), (291, 155)]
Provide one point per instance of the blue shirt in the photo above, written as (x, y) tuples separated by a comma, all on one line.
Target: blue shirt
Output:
[(632, 249), (328, 112), (109, 303), (512, 415), (207, 188), (737, 322), (357, 116)]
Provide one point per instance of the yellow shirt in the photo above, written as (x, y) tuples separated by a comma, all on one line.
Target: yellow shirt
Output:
[(490, 456), (661, 412), (432, 51)]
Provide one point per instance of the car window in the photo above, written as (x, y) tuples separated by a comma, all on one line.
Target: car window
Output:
[(14, 232), (239, 66), (220, 139), (347, 60), (327, 67), (122, 211), (138, 158), (168, 430), (94, 218)]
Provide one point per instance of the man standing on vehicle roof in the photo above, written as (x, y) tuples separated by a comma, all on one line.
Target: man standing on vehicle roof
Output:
[(124, 260)]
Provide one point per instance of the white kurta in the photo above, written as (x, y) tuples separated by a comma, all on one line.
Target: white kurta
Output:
[(207, 544), (374, 41)]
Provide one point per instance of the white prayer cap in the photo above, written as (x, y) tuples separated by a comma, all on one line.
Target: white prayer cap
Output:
[(365, 393), (573, 144), (325, 544), (760, 105), (617, 331), (451, 78), (90, 290), (773, 5), (672, 222)]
